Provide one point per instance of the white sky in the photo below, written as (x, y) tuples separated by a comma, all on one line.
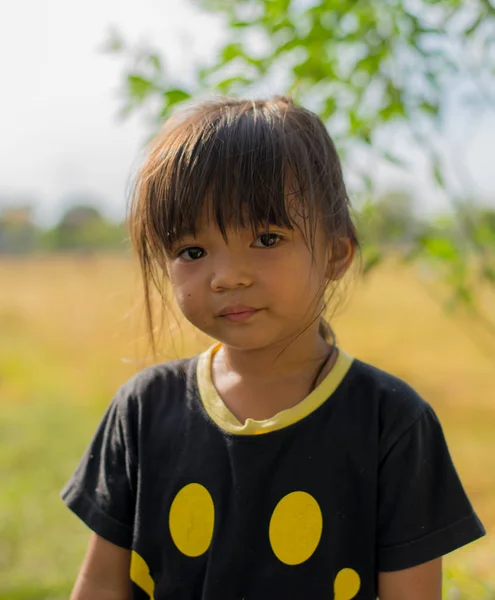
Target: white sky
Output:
[(59, 132)]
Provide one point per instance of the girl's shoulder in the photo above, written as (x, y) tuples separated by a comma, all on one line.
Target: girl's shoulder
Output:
[(394, 401), (386, 385), (157, 384), (161, 374)]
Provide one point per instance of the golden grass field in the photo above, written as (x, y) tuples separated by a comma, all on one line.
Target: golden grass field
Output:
[(71, 332)]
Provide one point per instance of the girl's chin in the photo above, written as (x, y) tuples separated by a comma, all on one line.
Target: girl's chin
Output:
[(245, 340)]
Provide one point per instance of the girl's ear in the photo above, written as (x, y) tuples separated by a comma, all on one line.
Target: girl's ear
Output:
[(340, 256)]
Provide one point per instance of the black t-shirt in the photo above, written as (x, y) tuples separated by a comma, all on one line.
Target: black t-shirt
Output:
[(313, 503)]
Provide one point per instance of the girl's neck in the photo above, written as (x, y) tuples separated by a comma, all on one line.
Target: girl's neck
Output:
[(274, 363), (258, 384)]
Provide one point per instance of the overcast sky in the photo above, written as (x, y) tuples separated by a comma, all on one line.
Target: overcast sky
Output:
[(59, 132)]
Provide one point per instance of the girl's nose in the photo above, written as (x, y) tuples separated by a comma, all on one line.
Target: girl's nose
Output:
[(230, 273)]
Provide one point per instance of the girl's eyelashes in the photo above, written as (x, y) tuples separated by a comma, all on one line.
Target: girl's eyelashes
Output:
[(194, 253), (191, 254), (267, 240)]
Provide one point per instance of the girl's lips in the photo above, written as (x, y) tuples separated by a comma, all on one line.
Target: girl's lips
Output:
[(240, 315)]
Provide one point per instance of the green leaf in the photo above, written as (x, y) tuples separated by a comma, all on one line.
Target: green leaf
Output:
[(232, 51), (227, 84), (365, 134), (301, 70), (475, 25), (127, 109), (295, 42), (329, 107), (139, 87), (441, 248), (239, 24), (437, 171), (432, 109), (434, 82), (203, 72), (175, 96), (114, 43), (393, 158), (155, 61), (368, 183)]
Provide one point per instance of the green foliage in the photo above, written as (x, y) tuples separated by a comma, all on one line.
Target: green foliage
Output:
[(139, 88), (389, 221), (460, 584), (374, 61), (81, 228), (461, 250), (18, 232)]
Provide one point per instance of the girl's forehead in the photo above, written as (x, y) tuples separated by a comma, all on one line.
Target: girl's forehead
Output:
[(296, 217)]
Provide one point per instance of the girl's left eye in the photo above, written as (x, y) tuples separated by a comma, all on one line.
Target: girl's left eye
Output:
[(267, 240), (191, 254)]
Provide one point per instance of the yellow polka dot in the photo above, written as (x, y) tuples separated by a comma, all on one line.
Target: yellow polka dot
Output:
[(295, 528), (140, 574), (191, 519), (347, 584)]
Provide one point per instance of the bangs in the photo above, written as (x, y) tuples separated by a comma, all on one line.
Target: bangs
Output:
[(235, 171)]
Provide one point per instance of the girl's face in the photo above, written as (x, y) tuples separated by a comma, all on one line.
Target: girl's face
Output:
[(249, 292)]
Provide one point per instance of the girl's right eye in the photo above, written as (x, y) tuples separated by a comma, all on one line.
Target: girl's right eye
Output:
[(191, 254)]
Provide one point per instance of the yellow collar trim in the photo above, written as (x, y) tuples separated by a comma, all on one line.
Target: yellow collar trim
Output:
[(225, 419)]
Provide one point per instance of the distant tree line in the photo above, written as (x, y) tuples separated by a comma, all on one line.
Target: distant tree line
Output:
[(389, 222), (82, 228)]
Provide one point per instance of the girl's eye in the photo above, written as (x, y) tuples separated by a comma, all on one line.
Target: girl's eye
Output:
[(192, 253), (267, 240)]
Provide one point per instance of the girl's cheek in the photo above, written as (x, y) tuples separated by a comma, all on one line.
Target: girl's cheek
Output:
[(188, 296), (186, 305), (181, 274)]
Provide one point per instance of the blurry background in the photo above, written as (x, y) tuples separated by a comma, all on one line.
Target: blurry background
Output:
[(407, 91)]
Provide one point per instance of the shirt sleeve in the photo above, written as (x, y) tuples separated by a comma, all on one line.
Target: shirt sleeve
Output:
[(101, 492), (423, 510)]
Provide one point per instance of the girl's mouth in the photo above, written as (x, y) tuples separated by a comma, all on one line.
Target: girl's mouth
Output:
[(238, 313)]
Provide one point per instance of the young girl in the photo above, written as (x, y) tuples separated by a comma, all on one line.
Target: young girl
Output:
[(274, 465)]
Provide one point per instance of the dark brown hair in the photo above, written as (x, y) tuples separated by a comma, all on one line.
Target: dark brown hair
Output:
[(240, 163)]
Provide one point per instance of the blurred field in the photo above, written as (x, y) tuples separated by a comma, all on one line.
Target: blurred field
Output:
[(71, 332)]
